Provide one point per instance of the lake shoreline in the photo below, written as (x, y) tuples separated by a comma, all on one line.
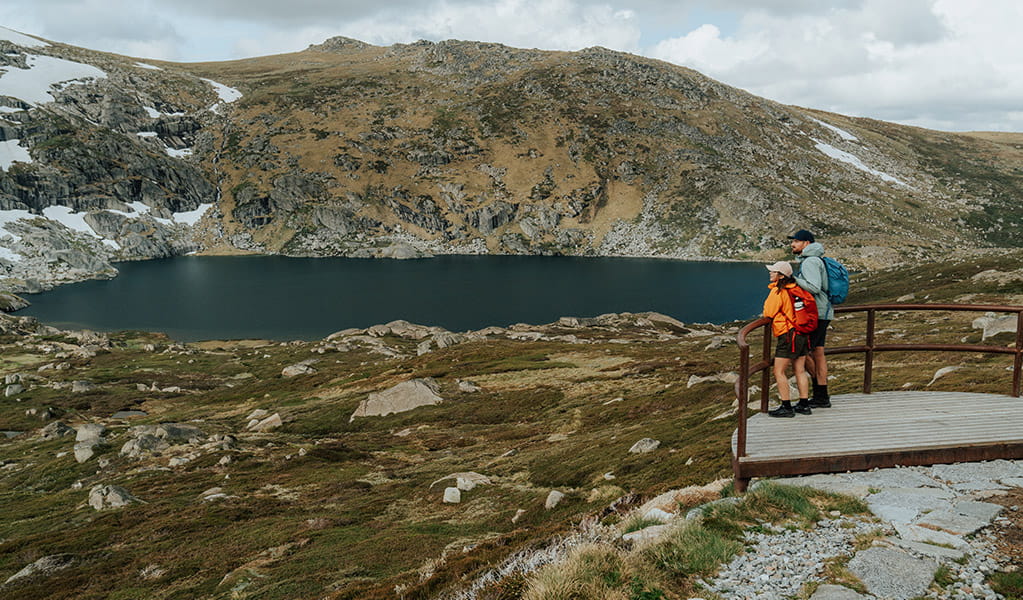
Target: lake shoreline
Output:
[(288, 298)]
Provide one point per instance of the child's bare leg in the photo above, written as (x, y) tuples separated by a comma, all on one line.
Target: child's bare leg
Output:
[(780, 365), (799, 366)]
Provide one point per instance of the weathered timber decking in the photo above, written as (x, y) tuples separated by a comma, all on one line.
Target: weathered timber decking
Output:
[(883, 429)]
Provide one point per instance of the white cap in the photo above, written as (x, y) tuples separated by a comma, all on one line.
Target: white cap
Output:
[(781, 267)]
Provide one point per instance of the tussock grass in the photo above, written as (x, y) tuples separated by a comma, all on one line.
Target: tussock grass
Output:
[(1009, 585), (692, 549)]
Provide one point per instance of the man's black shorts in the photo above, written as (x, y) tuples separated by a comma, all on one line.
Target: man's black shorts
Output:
[(818, 336)]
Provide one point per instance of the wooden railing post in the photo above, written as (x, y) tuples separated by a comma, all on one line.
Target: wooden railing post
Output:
[(1017, 363), (742, 397), (765, 375), (868, 359)]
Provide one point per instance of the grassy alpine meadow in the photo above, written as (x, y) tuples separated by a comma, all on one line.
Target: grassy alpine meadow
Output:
[(245, 482)]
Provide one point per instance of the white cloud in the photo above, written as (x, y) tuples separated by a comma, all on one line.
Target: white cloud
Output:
[(938, 63), (941, 64)]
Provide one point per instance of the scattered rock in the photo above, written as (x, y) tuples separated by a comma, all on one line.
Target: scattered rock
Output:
[(466, 480), (553, 499), (103, 497), (942, 372), (85, 450), (993, 324), (518, 515), (644, 445), (646, 535), (730, 377), (13, 389), (10, 302), (891, 573), (672, 500), (81, 386), (89, 432), (302, 368), (452, 495), (178, 432), (403, 397), (145, 443), (272, 422), (467, 386), (257, 414), (55, 430), (45, 566)]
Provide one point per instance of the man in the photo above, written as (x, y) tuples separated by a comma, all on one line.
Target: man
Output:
[(813, 277)]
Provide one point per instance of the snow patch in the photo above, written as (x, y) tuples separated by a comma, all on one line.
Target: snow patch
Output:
[(112, 244), (10, 216), (845, 135), (147, 134), (145, 66), (179, 153), (11, 152), (9, 255), (845, 157), (20, 39), (191, 217), (139, 207), (152, 112), (226, 94), (10, 109), (33, 85), (66, 217)]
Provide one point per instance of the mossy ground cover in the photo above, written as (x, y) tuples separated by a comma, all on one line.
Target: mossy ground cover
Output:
[(328, 507)]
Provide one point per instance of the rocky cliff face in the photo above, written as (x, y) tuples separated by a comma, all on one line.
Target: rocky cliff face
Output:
[(348, 149)]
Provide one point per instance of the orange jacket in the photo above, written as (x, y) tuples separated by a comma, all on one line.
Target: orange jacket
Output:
[(778, 307)]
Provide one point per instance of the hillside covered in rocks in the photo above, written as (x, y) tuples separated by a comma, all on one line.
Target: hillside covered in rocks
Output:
[(349, 149), (406, 461)]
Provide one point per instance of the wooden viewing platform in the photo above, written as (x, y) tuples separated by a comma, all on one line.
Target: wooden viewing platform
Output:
[(866, 430), (863, 431)]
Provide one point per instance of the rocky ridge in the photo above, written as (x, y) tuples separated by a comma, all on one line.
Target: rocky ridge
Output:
[(350, 149)]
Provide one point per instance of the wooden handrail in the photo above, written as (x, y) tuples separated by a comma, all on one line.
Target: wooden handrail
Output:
[(746, 370)]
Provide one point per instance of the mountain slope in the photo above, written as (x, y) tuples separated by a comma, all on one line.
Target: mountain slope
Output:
[(356, 150)]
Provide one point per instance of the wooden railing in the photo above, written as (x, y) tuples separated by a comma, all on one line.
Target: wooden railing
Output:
[(868, 349)]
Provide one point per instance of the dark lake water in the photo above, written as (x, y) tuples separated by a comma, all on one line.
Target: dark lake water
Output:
[(198, 298)]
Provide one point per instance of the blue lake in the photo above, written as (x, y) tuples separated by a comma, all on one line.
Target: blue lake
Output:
[(198, 298)]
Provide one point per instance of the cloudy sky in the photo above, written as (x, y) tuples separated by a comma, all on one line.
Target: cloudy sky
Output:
[(955, 65)]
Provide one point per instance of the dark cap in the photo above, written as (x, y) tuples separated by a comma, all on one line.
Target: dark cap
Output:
[(802, 235)]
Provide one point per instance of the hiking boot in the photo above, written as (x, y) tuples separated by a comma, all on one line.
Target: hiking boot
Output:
[(820, 402), (803, 409), (782, 411)]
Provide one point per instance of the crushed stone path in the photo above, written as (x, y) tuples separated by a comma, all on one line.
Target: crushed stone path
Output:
[(929, 518)]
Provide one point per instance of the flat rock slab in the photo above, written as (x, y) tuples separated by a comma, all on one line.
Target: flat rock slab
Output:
[(894, 514), (919, 499), (979, 510), (835, 592), (893, 478), (891, 573), (936, 552), (952, 522), (963, 518), (915, 533), (995, 470), (403, 397)]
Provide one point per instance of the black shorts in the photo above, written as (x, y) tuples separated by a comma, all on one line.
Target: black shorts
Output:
[(792, 345), (819, 335)]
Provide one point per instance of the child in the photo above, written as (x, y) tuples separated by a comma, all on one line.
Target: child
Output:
[(792, 347)]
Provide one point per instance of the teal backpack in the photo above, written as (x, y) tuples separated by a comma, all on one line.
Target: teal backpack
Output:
[(838, 280)]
